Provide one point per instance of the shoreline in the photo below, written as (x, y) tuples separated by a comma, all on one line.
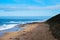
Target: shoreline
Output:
[(31, 31), (5, 26)]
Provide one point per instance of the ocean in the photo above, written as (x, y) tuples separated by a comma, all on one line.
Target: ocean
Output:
[(8, 23)]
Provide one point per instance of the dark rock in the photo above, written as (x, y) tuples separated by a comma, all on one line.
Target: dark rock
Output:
[(54, 23), (55, 19), (10, 38), (16, 39)]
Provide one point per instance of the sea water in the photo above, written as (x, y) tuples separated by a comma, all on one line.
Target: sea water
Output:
[(9, 24)]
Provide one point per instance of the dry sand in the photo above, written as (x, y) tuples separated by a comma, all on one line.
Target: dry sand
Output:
[(34, 31)]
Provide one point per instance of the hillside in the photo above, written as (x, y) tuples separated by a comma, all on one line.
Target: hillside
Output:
[(54, 23)]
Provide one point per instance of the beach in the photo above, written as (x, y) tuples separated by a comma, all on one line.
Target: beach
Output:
[(31, 31)]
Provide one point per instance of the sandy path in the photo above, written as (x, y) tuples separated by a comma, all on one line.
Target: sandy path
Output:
[(31, 32)]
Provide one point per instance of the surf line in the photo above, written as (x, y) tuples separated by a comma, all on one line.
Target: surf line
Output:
[(5, 27)]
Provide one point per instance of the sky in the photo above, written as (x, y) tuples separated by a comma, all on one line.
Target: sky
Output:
[(29, 7)]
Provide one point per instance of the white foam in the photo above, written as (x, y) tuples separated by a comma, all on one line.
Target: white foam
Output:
[(5, 27), (9, 26)]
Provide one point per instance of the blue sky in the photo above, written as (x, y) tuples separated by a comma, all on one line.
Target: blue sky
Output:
[(29, 7)]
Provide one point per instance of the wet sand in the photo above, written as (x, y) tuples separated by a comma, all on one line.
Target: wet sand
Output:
[(33, 31)]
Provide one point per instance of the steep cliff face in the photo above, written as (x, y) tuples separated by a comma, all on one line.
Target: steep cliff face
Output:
[(54, 23), (55, 19)]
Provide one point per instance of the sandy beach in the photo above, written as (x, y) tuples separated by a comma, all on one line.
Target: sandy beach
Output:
[(32, 31)]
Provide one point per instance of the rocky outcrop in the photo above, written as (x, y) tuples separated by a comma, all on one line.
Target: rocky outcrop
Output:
[(54, 23)]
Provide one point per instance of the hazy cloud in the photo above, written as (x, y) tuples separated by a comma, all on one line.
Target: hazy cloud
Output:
[(19, 8)]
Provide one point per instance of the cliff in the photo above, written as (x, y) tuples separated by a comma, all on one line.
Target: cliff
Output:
[(54, 23), (55, 19)]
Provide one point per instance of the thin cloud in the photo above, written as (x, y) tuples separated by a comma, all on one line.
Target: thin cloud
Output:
[(19, 8), (53, 7)]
